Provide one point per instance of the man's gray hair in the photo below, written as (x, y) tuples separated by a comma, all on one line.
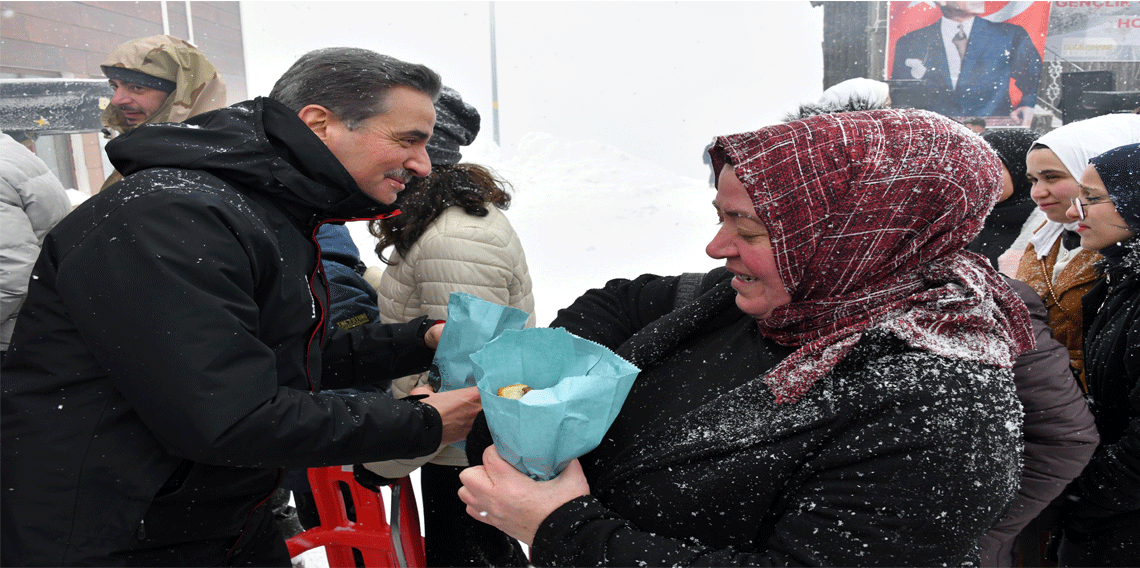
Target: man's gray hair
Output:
[(351, 82)]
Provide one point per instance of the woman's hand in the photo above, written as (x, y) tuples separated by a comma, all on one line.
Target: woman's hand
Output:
[(499, 495)]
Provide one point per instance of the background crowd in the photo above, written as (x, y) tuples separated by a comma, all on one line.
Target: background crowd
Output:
[(923, 347)]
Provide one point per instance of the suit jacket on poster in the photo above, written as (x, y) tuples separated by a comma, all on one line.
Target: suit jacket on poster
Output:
[(996, 53)]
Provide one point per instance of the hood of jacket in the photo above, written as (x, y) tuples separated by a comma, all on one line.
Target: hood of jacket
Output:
[(199, 86), (261, 148)]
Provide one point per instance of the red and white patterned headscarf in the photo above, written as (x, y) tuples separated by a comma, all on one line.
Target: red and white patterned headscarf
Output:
[(869, 214)]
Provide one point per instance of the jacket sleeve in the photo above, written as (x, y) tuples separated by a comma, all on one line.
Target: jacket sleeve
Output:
[(1058, 429), (374, 353), (32, 201), (171, 311), (17, 256), (612, 314)]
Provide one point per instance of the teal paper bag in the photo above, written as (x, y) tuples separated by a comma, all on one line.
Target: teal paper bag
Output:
[(579, 387), (471, 323)]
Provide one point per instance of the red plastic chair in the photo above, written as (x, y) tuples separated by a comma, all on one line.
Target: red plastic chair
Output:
[(381, 542)]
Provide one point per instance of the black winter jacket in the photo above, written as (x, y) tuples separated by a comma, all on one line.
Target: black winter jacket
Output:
[(173, 348), (1103, 509), (898, 457)]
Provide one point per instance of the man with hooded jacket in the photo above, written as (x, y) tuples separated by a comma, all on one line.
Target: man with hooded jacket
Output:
[(174, 347), (158, 79)]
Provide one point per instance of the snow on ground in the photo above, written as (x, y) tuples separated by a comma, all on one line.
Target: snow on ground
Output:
[(587, 212)]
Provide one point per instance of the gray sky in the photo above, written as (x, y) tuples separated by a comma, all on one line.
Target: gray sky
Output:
[(655, 79)]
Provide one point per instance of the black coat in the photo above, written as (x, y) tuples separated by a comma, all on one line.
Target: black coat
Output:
[(1103, 509), (172, 349), (897, 457)]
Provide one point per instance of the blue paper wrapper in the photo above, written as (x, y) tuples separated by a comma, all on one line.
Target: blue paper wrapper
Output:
[(471, 323), (579, 387)]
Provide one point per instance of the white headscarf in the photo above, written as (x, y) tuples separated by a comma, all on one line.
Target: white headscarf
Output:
[(1075, 144), (859, 88)]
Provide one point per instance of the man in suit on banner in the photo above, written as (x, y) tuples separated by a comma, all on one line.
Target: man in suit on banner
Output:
[(966, 63)]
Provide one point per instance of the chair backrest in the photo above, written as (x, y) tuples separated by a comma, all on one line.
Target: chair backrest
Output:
[(393, 542)]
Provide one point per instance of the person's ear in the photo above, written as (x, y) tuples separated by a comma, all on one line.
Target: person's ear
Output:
[(319, 119)]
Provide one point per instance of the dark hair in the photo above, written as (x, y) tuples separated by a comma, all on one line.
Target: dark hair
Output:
[(467, 185), (351, 82), (975, 122)]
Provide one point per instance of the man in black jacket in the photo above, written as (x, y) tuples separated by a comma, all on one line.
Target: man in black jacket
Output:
[(174, 346)]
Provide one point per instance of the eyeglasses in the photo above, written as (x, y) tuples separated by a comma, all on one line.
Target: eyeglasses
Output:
[(1088, 202)]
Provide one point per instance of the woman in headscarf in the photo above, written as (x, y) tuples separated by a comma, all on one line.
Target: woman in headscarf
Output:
[(1102, 513), (1058, 432), (1054, 263), (838, 394)]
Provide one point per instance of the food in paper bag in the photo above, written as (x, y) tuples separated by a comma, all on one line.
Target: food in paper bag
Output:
[(514, 391), (577, 388)]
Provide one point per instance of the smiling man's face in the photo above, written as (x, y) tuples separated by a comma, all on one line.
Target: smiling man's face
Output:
[(384, 151)]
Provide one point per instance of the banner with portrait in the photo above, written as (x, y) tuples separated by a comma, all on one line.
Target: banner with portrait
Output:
[(968, 59)]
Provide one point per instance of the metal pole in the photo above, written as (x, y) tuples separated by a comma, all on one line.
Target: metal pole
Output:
[(189, 23), (165, 18), (494, 81)]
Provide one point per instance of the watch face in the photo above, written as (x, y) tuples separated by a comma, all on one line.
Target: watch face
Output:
[(433, 379)]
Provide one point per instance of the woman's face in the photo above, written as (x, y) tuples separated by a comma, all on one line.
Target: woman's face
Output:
[(1053, 186), (1006, 184), (1102, 225), (743, 242)]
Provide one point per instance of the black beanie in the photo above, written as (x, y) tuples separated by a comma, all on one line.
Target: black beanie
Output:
[(139, 78), (1011, 145), (456, 124), (1119, 169)]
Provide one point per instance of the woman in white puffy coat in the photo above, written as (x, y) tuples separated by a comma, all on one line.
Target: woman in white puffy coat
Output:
[(451, 236), (32, 201)]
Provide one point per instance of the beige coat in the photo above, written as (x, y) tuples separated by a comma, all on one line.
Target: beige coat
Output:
[(481, 256)]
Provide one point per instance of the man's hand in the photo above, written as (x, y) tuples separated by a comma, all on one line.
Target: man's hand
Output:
[(457, 408), (431, 338), (1023, 115), (499, 495)]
